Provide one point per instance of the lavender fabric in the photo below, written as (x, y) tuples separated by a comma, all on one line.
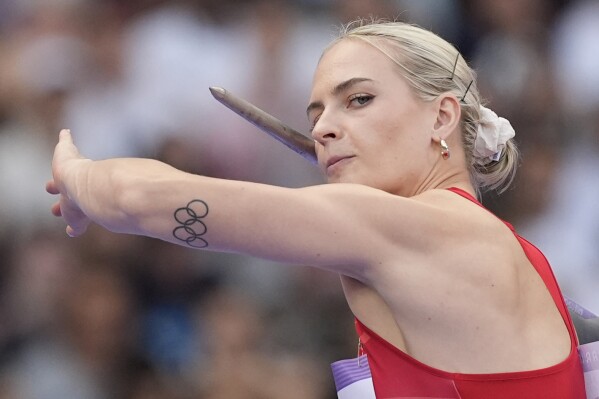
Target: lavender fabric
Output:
[(348, 371)]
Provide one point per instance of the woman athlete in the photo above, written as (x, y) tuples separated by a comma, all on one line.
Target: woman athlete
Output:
[(449, 301)]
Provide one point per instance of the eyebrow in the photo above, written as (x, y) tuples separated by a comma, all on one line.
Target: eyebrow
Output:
[(336, 90)]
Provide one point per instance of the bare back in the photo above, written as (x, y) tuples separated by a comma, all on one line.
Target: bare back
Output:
[(462, 308)]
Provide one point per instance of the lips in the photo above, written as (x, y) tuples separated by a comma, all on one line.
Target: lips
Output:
[(335, 159)]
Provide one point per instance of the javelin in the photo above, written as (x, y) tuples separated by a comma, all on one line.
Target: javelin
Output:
[(296, 141)]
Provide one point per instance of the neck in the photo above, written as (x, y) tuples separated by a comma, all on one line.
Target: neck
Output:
[(445, 174)]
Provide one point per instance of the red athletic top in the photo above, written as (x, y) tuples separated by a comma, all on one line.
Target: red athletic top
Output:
[(395, 374)]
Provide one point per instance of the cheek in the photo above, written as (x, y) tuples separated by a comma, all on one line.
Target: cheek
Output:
[(319, 153), (401, 152)]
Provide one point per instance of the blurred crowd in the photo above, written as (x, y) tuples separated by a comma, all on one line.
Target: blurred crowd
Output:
[(113, 316)]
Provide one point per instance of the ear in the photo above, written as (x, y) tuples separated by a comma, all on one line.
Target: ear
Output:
[(448, 116)]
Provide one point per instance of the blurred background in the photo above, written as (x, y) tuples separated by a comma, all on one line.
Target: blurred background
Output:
[(114, 316)]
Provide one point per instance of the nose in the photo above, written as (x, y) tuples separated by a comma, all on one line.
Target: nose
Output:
[(325, 130)]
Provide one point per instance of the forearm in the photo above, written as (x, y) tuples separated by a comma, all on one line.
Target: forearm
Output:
[(150, 198), (109, 192)]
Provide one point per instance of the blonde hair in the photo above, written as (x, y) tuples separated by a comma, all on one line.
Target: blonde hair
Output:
[(432, 66)]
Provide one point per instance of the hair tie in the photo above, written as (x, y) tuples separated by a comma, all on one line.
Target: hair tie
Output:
[(492, 134)]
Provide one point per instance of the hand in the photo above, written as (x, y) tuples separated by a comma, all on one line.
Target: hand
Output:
[(67, 166)]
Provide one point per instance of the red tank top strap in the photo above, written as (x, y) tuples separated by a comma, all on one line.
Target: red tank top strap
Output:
[(470, 197)]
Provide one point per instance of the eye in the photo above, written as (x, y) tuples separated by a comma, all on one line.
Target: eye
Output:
[(360, 99)]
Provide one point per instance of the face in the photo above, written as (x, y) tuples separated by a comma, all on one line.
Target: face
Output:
[(369, 126)]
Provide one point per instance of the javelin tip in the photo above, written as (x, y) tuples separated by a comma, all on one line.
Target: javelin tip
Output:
[(218, 92)]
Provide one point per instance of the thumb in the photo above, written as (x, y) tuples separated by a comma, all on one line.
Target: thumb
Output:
[(65, 149), (65, 135)]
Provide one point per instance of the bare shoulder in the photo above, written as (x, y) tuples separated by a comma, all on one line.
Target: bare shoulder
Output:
[(440, 221), (457, 217), (392, 227), (453, 243)]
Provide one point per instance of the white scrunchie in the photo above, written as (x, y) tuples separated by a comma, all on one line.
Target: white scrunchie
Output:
[(493, 133)]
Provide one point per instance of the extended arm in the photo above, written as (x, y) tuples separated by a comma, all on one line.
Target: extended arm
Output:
[(339, 227)]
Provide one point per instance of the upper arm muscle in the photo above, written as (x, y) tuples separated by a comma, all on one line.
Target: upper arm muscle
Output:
[(340, 227)]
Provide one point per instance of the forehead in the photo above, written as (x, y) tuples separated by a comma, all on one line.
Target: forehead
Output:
[(350, 58)]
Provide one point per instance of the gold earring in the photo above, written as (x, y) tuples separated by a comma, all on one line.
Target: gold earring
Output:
[(444, 149)]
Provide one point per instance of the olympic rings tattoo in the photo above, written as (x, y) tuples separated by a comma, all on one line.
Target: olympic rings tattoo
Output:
[(192, 228)]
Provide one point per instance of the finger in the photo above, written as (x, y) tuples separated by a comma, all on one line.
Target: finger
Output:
[(71, 232), (51, 187), (56, 209), (79, 230)]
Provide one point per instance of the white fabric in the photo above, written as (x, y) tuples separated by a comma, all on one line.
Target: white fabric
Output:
[(493, 133), (362, 389)]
